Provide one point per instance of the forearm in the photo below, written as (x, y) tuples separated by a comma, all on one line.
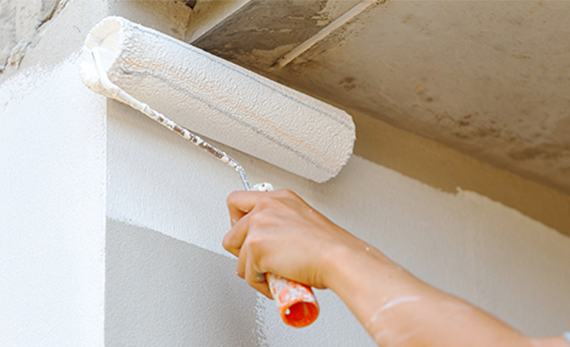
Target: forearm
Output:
[(278, 232), (398, 309)]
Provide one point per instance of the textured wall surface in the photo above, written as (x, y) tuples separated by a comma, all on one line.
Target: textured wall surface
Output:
[(52, 179), (178, 294), (168, 279), (467, 244), (20, 26), (52, 209), (490, 78)]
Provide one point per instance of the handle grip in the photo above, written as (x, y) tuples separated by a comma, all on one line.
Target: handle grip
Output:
[(296, 302)]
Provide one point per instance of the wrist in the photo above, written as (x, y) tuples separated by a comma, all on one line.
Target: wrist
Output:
[(350, 266)]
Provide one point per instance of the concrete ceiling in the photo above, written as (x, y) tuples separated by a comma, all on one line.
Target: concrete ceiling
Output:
[(489, 78)]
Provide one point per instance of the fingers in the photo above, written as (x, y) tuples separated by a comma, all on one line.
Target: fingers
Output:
[(241, 264), (234, 238), (246, 270), (241, 203), (256, 279)]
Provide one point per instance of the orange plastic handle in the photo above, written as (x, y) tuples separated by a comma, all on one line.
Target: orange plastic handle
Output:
[(296, 302)]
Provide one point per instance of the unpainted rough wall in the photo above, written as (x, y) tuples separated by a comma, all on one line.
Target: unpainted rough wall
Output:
[(490, 78)]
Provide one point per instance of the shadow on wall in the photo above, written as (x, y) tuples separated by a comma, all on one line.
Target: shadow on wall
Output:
[(165, 292)]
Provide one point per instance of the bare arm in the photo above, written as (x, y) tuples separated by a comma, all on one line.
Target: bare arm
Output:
[(278, 232)]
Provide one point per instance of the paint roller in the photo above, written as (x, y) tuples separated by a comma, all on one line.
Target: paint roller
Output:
[(127, 62)]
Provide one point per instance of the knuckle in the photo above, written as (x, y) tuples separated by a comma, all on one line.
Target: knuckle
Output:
[(258, 220), (231, 198), (273, 203), (254, 242), (227, 242), (287, 193), (266, 202)]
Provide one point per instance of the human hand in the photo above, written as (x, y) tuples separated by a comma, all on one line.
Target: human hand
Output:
[(280, 233)]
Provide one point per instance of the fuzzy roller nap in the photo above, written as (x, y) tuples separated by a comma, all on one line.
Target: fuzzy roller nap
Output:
[(221, 100), (128, 62)]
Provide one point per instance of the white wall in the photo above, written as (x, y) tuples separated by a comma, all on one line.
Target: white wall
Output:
[(52, 209), (480, 250), (52, 179), (168, 280), (178, 294)]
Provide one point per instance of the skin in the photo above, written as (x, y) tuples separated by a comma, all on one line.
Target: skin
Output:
[(280, 233)]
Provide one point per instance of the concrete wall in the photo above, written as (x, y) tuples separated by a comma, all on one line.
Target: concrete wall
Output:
[(111, 227), (463, 243), (52, 179), (52, 209)]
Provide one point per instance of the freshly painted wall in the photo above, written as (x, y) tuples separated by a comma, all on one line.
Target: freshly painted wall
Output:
[(493, 256), (111, 226), (52, 179), (52, 209)]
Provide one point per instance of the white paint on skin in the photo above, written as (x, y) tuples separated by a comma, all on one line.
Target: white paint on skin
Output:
[(163, 184), (399, 301), (406, 337), (379, 337), (390, 304), (140, 151), (53, 195)]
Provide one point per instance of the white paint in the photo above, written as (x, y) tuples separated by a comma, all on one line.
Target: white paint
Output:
[(101, 60), (389, 305), (52, 215), (491, 255), (229, 104), (399, 301), (52, 192)]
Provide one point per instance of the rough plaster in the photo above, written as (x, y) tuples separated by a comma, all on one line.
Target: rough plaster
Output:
[(180, 295), (466, 244), (72, 18), (160, 291), (480, 250), (167, 16), (52, 215), (21, 23), (489, 78), (207, 14), (449, 170)]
